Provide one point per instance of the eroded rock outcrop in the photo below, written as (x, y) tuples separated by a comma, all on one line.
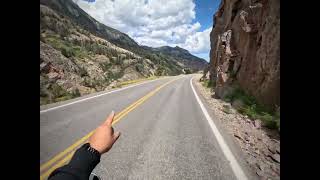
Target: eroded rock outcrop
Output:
[(245, 49)]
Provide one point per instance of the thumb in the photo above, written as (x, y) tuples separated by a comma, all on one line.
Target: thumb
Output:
[(116, 135)]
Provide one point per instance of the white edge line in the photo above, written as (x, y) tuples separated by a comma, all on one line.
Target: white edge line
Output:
[(85, 99), (224, 147)]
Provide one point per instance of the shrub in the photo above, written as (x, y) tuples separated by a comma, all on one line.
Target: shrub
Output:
[(105, 66), (57, 91), (82, 72), (67, 52), (269, 120), (139, 67), (253, 109), (187, 71), (57, 94), (76, 93), (160, 71), (240, 94), (207, 83)]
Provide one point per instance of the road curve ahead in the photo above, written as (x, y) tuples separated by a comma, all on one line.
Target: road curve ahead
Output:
[(165, 134)]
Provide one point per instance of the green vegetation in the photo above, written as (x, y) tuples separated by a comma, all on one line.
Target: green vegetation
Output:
[(97, 84), (253, 109), (160, 71), (187, 71), (114, 75), (83, 72), (56, 93), (105, 66), (166, 66), (139, 67), (67, 48), (81, 49), (86, 48), (77, 43), (208, 83)]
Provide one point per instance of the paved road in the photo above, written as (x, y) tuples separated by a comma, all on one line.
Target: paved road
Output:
[(165, 137)]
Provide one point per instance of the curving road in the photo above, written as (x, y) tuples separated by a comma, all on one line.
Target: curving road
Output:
[(166, 134)]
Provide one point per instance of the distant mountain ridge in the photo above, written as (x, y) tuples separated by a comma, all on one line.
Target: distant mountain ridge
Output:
[(183, 56), (79, 16)]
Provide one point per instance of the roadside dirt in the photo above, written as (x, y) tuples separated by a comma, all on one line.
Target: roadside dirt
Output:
[(260, 145)]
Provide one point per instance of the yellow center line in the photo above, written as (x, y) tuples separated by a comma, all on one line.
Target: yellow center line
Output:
[(71, 148), (79, 142)]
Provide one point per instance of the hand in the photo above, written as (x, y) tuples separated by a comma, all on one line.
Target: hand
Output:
[(104, 137)]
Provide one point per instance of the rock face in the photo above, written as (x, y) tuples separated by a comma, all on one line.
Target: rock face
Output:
[(245, 48)]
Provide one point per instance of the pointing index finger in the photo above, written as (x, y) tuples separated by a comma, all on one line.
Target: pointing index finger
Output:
[(110, 118)]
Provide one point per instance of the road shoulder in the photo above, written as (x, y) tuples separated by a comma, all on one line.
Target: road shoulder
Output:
[(223, 129), (256, 146)]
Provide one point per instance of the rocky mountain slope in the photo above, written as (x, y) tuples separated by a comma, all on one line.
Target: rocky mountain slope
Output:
[(182, 56), (75, 14), (245, 49), (79, 55)]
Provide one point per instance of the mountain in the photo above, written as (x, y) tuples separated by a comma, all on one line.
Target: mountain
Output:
[(79, 55), (77, 15), (71, 10), (183, 56)]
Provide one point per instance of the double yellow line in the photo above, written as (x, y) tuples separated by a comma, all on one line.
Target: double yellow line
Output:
[(63, 157)]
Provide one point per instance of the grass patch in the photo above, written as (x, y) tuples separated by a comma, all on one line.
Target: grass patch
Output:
[(255, 110)]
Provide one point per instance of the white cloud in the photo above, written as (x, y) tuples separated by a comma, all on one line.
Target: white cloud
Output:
[(198, 42), (152, 22)]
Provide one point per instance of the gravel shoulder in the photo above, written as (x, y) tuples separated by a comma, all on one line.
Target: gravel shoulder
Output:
[(260, 145)]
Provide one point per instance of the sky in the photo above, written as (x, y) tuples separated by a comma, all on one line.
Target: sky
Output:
[(183, 23)]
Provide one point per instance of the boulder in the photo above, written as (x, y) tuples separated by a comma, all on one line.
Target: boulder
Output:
[(53, 75)]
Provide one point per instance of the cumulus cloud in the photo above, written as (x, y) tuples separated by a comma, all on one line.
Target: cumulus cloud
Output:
[(152, 22), (198, 42)]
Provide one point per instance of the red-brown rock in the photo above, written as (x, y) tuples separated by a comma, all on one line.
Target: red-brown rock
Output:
[(245, 48)]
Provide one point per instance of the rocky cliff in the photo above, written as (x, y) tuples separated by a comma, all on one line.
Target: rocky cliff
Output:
[(245, 49)]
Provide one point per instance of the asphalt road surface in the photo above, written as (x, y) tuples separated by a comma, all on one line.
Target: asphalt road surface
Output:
[(165, 133)]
